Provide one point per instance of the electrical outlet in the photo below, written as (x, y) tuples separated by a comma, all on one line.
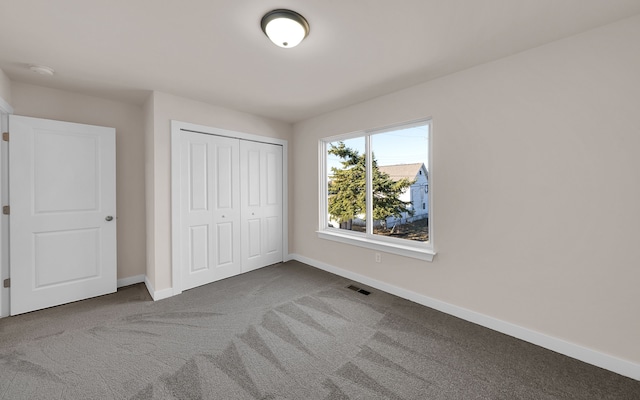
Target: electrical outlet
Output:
[(378, 257)]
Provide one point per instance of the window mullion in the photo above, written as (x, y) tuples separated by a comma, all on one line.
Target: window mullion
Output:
[(369, 186)]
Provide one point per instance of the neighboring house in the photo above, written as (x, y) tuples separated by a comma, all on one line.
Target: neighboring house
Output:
[(417, 193)]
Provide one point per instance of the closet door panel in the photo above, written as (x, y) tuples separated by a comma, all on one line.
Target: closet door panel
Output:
[(254, 236), (273, 172), (199, 247), (261, 197), (224, 177), (274, 235), (199, 173), (226, 243), (252, 176), (210, 211)]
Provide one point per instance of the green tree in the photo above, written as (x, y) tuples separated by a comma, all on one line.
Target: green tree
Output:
[(347, 188)]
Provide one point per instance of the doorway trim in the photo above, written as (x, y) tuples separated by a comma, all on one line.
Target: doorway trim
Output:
[(176, 128), (5, 111)]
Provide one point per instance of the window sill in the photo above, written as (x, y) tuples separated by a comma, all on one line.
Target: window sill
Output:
[(425, 254)]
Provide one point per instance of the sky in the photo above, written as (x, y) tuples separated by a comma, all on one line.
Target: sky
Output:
[(402, 146)]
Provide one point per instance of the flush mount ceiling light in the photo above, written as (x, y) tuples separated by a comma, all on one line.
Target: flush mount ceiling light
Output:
[(285, 28), (41, 69)]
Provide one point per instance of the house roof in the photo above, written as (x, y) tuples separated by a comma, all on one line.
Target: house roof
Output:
[(399, 171)]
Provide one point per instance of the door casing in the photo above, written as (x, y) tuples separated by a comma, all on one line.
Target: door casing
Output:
[(5, 111)]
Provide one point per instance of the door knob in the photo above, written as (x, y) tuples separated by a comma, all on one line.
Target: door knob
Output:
[(109, 218)]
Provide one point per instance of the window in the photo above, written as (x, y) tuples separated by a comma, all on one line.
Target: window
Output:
[(375, 189)]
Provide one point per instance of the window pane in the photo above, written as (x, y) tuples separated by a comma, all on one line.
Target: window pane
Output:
[(401, 183), (346, 182)]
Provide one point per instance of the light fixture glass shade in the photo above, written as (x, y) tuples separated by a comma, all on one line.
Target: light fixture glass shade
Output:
[(285, 28)]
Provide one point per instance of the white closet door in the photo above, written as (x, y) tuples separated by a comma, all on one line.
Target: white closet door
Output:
[(261, 196), (210, 209), (63, 204)]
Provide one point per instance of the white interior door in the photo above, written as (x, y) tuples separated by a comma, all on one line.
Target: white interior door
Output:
[(209, 209), (62, 187), (261, 196)]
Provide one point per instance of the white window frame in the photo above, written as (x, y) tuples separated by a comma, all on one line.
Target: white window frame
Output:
[(404, 247)]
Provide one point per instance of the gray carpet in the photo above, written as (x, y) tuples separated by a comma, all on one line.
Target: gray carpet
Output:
[(287, 331)]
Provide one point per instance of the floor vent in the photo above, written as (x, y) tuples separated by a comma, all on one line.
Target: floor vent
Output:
[(357, 289)]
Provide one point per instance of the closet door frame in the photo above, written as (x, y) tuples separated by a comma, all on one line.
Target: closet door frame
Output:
[(177, 127)]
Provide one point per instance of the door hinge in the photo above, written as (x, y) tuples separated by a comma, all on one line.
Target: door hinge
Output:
[(6, 210), (5, 136), (6, 283)]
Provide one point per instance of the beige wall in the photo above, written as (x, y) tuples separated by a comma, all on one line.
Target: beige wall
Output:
[(147, 111), (40, 102), (536, 186), (5, 87), (165, 108)]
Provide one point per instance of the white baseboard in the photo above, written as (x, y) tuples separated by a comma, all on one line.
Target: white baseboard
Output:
[(132, 280), (157, 295), (593, 357)]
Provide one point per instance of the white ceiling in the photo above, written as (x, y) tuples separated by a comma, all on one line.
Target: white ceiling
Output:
[(215, 51)]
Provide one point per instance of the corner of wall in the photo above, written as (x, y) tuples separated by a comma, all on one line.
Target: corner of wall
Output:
[(157, 294), (148, 110), (5, 91)]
